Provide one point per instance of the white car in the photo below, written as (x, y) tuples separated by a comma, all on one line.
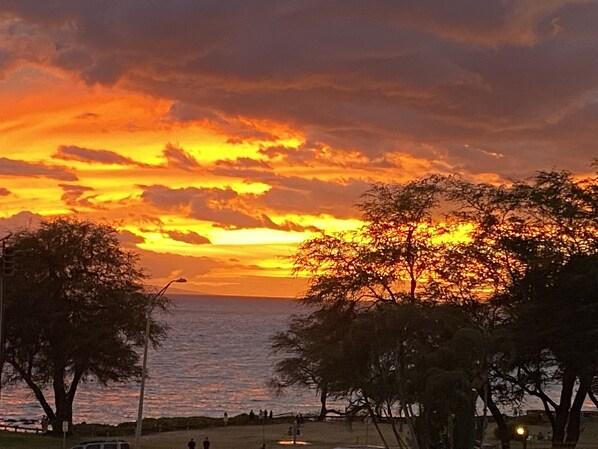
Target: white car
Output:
[(103, 444)]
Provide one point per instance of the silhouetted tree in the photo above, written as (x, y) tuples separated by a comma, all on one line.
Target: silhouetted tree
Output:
[(310, 350), (525, 239), (75, 312), (386, 259), (505, 255)]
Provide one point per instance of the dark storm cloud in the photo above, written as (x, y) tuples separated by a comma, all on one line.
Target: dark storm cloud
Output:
[(75, 153), (160, 264), (129, 239), (76, 195), (295, 156), (297, 195), (220, 206), (438, 78), (313, 196), (308, 155), (293, 195), (242, 167), (225, 208), (12, 167), (179, 158), (238, 130), (20, 43), (190, 237), (185, 112)]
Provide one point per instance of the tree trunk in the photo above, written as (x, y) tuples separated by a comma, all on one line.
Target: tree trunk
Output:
[(499, 419), (372, 415), (64, 410), (573, 425), (395, 431), (323, 409), (562, 412), (39, 394), (63, 400), (409, 418), (64, 413)]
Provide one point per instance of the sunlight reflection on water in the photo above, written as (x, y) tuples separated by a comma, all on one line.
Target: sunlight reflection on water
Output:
[(215, 359)]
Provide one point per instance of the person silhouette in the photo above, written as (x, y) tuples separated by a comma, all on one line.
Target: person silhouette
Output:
[(191, 444), (45, 421), (206, 443)]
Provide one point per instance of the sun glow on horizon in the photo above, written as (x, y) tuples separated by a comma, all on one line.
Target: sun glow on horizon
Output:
[(98, 152), (217, 197)]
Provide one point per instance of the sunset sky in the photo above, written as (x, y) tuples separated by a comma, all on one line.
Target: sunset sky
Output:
[(217, 135)]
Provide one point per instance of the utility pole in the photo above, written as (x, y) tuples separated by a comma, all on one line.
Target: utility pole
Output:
[(4, 273), (148, 313), (1, 327)]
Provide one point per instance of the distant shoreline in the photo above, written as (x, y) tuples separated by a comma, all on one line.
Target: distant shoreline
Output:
[(178, 293), (152, 425), (215, 358)]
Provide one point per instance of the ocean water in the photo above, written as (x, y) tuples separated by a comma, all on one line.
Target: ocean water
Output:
[(216, 358)]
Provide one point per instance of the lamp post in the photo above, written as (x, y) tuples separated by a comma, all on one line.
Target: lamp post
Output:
[(150, 307), (522, 432), (3, 272)]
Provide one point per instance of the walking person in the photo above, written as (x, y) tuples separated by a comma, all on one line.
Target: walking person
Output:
[(191, 444), (45, 421), (206, 443)]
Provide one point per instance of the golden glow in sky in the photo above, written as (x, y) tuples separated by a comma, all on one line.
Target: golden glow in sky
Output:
[(218, 136), (180, 192)]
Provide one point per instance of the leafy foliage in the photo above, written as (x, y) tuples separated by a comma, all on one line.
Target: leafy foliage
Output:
[(75, 312), (312, 351), (518, 261)]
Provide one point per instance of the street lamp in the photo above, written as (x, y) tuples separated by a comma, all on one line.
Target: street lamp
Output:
[(3, 272), (150, 307), (522, 432)]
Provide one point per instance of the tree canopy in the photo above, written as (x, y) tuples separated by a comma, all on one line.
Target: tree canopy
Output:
[(74, 312), (517, 260)]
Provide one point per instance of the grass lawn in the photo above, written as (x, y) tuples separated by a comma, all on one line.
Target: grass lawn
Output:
[(317, 435), (14, 440)]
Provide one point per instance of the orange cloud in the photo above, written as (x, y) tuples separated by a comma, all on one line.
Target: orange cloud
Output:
[(75, 153), (258, 125), (11, 167)]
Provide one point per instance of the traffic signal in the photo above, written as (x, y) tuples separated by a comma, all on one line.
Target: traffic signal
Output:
[(8, 261)]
